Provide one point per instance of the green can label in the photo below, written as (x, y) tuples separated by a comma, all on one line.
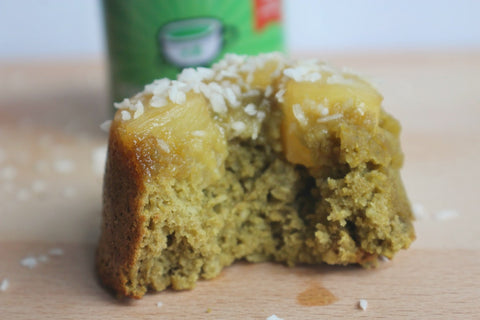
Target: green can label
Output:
[(153, 39)]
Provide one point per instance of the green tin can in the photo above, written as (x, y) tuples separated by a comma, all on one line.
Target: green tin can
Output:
[(153, 39)]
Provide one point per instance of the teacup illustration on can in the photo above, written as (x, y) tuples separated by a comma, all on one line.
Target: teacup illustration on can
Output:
[(192, 42)]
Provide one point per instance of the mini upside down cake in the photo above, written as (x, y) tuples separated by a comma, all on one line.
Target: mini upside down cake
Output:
[(258, 158)]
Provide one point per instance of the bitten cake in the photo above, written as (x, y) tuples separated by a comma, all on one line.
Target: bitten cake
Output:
[(259, 158)]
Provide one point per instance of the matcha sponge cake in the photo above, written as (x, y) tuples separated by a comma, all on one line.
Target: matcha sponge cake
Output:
[(258, 158)]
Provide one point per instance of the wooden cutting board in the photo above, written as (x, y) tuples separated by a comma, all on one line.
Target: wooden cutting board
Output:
[(50, 197)]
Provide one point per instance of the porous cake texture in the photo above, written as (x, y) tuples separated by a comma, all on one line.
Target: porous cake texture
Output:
[(260, 158)]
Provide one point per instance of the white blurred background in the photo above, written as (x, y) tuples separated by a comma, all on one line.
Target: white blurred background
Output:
[(39, 29)]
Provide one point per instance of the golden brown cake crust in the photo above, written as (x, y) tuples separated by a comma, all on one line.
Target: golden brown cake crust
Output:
[(122, 225)]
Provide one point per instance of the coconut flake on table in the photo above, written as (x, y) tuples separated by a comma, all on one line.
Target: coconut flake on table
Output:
[(447, 214), (274, 317), (69, 192), (55, 252), (39, 186), (63, 166), (29, 262), (419, 211), (23, 194), (363, 304), (99, 158), (42, 258), (4, 284), (159, 304), (8, 173)]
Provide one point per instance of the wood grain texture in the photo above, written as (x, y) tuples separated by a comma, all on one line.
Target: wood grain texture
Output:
[(51, 112), (426, 284)]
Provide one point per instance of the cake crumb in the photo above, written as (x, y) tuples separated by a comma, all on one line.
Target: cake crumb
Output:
[(105, 126), (363, 304), (29, 262), (447, 214), (159, 304), (208, 310), (55, 252), (4, 284), (274, 317)]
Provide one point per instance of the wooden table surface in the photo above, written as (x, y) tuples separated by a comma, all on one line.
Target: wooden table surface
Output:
[(51, 151)]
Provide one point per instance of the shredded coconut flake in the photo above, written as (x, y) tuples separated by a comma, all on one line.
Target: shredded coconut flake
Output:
[(29, 262), (447, 214), (274, 317), (268, 91), (63, 166), (299, 114), (4, 284), (159, 304), (39, 186), (69, 192), (125, 115), (261, 115), (42, 258), (250, 109), (41, 166), (139, 109), (158, 102), (99, 157), (55, 252), (279, 95), (330, 118), (363, 304), (419, 211), (238, 126), (23, 195), (323, 110), (175, 95), (163, 145), (361, 108), (384, 259), (124, 104), (198, 133), (8, 173), (105, 126)]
